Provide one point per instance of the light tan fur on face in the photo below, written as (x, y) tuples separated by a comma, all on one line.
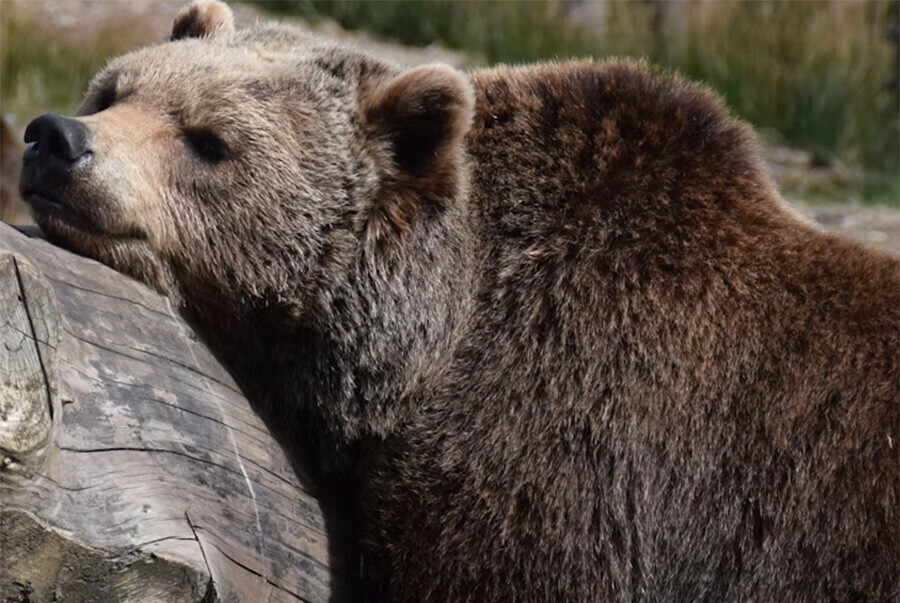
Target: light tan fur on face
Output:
[(129, 144)]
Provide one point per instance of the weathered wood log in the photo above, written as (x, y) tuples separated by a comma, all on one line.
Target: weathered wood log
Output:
[(133, 469)]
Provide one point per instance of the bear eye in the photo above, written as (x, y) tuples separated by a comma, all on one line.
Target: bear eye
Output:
[(106, 99), (207, 145)]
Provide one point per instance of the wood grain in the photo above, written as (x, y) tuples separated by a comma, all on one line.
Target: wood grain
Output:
[(161, 484), (28, 372)]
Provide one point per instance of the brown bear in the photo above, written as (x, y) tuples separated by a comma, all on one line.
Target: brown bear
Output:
[(552, 326)]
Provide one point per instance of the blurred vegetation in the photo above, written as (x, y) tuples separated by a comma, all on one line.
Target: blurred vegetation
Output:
[(818, 75), (41, 72), (496, 30)]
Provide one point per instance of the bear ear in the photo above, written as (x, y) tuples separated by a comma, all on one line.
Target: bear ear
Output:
[(202, 19), (421, 117)]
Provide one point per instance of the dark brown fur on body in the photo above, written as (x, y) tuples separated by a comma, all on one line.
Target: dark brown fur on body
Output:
[(674, 389), (553, 322)]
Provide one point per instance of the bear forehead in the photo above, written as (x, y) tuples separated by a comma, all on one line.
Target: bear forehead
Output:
[(219, 69), (181, 64)]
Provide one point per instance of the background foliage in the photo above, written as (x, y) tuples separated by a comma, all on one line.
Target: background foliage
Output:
[(819, 75)]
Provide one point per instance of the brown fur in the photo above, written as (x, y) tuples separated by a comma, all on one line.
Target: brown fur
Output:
[(202, 19), (552, 326)]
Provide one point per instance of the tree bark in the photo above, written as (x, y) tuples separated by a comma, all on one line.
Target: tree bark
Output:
[(133, 469)]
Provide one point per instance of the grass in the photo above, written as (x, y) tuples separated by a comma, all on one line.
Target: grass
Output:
[(819, 73), (40, 72), (496, 31)]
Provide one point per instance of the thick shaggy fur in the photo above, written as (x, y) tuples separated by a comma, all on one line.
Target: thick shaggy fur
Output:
[(552, 325)]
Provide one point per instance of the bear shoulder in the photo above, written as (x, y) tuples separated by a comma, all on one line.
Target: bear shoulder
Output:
[(627, 115)]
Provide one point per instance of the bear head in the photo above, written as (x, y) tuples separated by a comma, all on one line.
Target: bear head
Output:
[(257, 168)]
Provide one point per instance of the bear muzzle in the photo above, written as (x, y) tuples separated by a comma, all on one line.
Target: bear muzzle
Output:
[(59, 149), (58, 139)]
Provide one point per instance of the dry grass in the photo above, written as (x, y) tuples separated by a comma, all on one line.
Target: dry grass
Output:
[(816, 74), (810, 74)]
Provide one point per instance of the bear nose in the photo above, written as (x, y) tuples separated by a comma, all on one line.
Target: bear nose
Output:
[(57, 136)]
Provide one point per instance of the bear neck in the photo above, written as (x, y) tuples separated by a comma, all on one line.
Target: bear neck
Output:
[(348, 367)]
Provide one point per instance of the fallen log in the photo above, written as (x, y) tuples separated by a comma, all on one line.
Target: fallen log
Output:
[(131, 466)]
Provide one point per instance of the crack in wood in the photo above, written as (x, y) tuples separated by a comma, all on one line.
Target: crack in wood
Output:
[(151, 450), (258, 574), (31, 336), (133, 302), (178, 363), (139, 546), (145, 361), (170, 405), (187, 367), (59, 484), (199, 460), (34, 336), (211, 586)]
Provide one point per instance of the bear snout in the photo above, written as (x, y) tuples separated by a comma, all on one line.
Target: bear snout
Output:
[(59, 140), (59, 148)]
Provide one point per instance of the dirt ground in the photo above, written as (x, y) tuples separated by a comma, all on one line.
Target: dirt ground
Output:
[(877, 227), (150, 20)]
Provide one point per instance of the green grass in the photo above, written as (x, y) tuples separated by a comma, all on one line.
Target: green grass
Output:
[(496, 31), (508, 31), (820, 74), (816, 72), (40, 73)]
